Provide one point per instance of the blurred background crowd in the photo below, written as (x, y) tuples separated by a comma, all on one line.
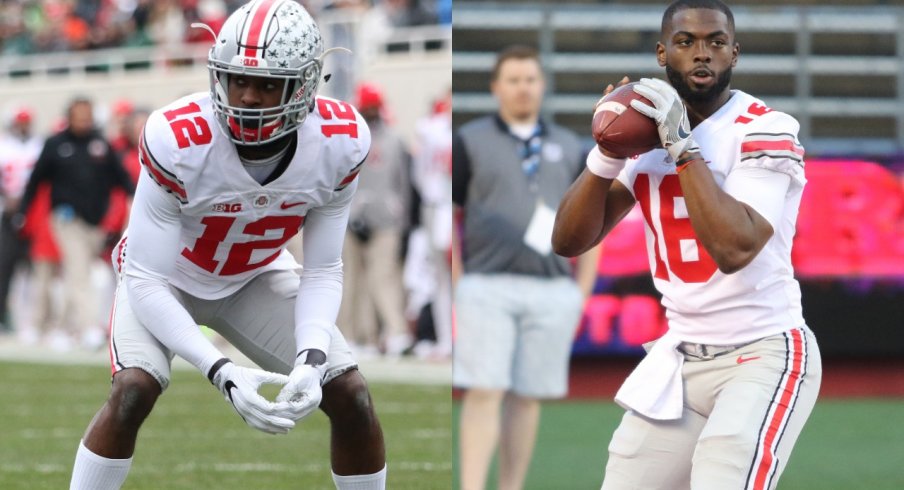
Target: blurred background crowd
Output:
[(396, 251), (42, 26)]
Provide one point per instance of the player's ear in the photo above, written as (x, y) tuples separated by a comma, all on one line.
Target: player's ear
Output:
[(660, 53), (735, 51)]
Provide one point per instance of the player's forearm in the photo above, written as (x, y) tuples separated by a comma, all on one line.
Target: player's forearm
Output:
[(587, 270), (317, 307), (728, 229), (581, 215)]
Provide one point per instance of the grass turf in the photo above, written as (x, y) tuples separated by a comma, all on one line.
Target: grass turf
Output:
[(194, 440), (846, 445)]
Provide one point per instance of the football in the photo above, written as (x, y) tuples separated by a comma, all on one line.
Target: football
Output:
[(619, 129)]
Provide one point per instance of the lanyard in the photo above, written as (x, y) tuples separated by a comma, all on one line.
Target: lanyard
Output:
[(530, 158)]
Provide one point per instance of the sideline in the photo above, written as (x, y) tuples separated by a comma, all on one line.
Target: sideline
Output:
[(404, 370)]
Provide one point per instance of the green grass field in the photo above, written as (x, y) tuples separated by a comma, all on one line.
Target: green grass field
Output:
[(846, 445), (194, 440)]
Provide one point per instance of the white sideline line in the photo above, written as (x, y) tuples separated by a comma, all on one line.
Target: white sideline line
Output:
[(403, 371)]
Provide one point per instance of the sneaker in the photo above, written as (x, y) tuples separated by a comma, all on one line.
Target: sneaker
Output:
[(93, 339), (59, 341), (29, 337), (396, 345), (367, 352)]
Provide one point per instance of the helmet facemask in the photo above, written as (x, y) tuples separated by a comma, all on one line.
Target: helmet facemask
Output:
[(258, 126), (267, 39)]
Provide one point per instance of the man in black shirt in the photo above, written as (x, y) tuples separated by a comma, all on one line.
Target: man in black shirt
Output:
[(81, 168)]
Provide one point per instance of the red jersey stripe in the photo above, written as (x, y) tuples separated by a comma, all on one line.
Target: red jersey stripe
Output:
[(158, 176), (762, 145), (348, 179)]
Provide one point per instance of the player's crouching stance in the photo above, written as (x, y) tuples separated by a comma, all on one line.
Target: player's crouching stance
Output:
[(720, 399), (213, 211)]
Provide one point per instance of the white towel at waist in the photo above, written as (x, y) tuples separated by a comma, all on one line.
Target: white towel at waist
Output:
[(655, 388)]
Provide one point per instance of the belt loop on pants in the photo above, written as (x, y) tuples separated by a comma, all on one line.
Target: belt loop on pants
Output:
[(704, 351)]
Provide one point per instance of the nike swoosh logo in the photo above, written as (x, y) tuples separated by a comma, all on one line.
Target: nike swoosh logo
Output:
[(682, 134), (228, 387), (742, 359), (287, 205)]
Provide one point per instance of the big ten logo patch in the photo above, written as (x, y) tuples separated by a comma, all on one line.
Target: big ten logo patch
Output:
[(226, 207)]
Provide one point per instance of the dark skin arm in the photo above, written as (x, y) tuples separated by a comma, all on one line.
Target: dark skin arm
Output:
[(588, 212), (731, 231), (590, 209)]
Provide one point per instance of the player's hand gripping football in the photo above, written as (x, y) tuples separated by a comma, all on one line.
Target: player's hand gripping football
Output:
[(239, 386), (302, 394), (669, 113)]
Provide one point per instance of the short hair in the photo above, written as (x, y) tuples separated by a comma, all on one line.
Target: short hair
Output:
[(679, 5), (78, 100), (515, 52)]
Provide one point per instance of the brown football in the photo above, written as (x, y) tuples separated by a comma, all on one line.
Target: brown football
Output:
[(619, 129)]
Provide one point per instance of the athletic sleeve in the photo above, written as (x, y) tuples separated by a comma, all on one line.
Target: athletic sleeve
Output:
[(320, 291), (772, 144), (771, 161), (762, 189), (153, 246)]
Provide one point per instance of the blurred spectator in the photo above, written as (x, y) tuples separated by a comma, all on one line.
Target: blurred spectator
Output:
[(373, 295), (116, 125), (41, 26), (517, 304), (125, 144), (429, 246), (19, 150), (81, 168), (45, 265)]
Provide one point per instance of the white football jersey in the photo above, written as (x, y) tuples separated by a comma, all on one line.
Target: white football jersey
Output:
[(17, 160), (702, 304), (432, 169), (234, 228)]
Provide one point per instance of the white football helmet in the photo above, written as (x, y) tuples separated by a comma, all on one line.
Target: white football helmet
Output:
[(266, 38)]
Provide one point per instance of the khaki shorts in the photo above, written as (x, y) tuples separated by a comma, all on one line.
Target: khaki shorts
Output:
[(259, 320), (744, 408), (514, 333)]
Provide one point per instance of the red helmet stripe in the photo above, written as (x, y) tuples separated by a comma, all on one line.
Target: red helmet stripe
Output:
[(259, 14)]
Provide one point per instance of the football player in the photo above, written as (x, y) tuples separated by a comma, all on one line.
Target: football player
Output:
[(228, 178), (720, 399)]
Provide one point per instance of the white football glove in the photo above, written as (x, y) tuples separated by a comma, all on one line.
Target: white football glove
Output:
[(302, 394), (669, 113), (239, 386)]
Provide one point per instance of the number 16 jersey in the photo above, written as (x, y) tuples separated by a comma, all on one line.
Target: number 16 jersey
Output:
[(755, 157)]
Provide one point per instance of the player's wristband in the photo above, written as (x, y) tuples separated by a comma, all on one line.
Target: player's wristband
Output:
[(603, 166), (682, 164), (313, 357), (216, 367)]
